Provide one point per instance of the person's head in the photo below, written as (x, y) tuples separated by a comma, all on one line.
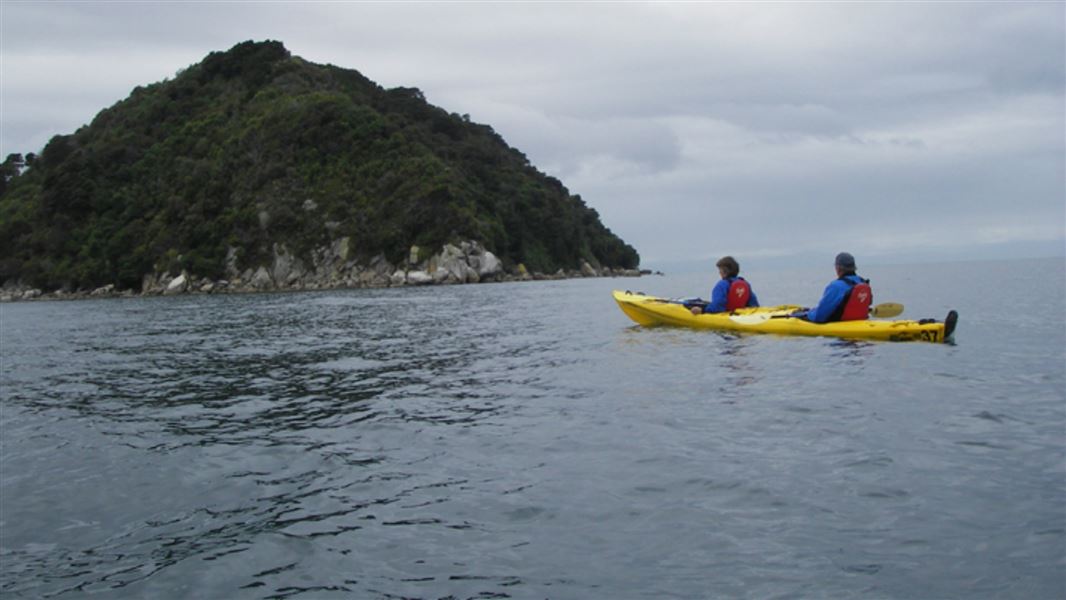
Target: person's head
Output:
[(728, 267), (845, 263)]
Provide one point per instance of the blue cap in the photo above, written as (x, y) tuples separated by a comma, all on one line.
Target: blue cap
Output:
[(845, 261)]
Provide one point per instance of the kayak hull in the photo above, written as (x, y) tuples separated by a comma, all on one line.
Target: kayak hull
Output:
[(651, 311)]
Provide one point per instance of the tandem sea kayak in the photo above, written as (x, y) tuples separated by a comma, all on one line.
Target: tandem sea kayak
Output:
[(650, 311)]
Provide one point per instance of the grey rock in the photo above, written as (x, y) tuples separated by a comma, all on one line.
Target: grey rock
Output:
[(231, 263), (419, 278), (176, 285), (261, 280)]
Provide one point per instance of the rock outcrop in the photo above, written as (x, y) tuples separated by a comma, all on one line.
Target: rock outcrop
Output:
[(331, 267)]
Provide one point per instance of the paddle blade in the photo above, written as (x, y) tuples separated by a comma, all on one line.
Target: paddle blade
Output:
[(887, 309)]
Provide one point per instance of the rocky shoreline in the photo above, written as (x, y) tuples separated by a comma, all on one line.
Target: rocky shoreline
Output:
[(331, 267)]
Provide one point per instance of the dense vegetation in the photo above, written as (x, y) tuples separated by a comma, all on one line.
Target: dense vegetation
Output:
[(253, 147)]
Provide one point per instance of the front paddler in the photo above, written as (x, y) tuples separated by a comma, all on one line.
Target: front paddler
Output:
[(731, 292)]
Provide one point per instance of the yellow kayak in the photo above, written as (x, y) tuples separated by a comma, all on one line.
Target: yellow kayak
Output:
[(650, 311)]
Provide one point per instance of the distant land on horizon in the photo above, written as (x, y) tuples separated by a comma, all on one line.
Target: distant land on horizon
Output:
[(254, 159), (1002, 251)]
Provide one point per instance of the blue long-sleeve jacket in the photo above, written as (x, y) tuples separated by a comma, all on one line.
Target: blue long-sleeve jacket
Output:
[(834, 294), (720, 294)]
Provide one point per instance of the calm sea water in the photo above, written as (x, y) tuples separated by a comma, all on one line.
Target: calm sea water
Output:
[(528, 441)]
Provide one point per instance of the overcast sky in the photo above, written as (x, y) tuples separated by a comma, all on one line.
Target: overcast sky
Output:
[(769, 131)]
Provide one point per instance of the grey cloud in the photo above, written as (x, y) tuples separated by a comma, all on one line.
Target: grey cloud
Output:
[(692, 128)]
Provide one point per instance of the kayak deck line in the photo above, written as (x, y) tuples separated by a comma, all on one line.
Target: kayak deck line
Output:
[(650, 311)]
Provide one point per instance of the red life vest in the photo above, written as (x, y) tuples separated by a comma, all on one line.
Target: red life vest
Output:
[(857, 304), (739, 294)]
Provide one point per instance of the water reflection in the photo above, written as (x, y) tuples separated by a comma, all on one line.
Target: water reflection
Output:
[(852, 353), (256, 373), (740, 371), (349, 384)]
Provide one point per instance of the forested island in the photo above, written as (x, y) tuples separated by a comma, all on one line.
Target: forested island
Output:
[(257, 170)]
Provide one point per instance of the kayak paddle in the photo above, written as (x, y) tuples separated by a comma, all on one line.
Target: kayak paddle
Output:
[(881, 311), (887, 309)]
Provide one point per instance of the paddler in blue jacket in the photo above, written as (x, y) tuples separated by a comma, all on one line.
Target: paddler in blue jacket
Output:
[(731, 292), (847, 298)]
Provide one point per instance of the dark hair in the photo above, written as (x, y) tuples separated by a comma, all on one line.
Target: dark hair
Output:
[(845, 261), (732, 268)]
